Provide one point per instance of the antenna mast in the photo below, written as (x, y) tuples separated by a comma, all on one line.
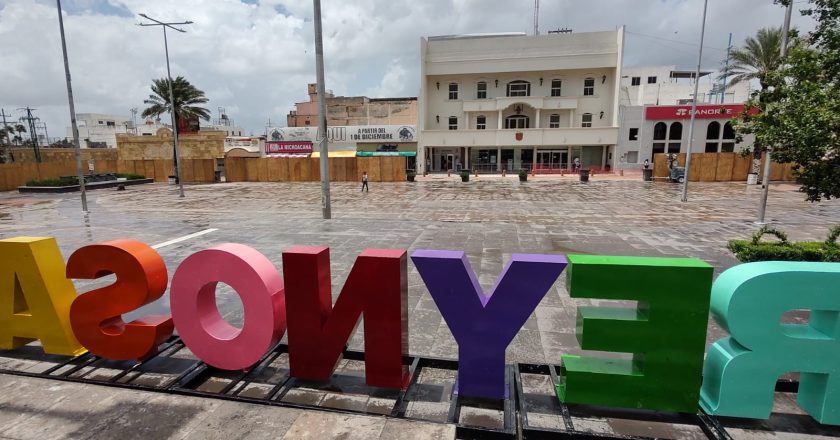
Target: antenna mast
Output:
[(536, 17)]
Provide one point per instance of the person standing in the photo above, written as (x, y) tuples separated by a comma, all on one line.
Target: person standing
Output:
[(365, 181)]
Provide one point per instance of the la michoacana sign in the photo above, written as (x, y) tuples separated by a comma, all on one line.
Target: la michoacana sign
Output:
[(666, 332)]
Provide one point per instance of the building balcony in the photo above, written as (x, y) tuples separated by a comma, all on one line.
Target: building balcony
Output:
[(530, 137), (538, 102)]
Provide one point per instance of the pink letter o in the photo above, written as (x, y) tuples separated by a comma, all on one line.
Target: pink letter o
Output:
[(197, 319)]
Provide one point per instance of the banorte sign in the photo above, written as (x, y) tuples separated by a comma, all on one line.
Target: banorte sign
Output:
[(719, 111), (666, 334)]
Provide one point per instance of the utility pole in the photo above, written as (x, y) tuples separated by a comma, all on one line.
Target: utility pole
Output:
[(765, 181), (30, 121), (171, 95), (75, 127), (726, 69), (8, 145), (322, 113), (694, 105)]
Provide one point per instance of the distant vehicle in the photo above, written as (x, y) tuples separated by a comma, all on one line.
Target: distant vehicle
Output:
[(677, 175)]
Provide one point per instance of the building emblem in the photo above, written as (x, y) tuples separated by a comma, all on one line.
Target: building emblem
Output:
[(407, 134), (519, 135)]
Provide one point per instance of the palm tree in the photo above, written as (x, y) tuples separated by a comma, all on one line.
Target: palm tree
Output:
[(186, 98), (758, 57)]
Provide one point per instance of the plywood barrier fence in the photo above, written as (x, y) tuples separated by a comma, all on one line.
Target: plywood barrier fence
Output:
[(13, 175), (721, 167), (342, 169)]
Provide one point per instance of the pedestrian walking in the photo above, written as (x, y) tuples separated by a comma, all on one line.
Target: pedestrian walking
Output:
[(365, 181)]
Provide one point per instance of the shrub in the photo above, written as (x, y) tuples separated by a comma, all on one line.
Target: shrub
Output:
[(62, 181), (783, 250), (465, 176), (131, 176)]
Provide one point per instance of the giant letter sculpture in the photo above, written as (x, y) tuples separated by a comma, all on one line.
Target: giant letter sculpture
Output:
[(484, 325), (666, 333), (741, 370), (96, 316), (377, 288), (193, 303), (35, 296)]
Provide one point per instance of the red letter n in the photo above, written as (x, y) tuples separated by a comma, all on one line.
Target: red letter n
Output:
[(376, 288)]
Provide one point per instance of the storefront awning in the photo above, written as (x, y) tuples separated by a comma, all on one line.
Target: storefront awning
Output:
[(386, 153), (335, 154), (288, 155)]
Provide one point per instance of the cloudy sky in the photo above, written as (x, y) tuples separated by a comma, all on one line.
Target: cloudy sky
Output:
[(255, 57)]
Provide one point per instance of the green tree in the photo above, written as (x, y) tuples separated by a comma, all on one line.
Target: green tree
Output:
[(187, 100), (800, 106), (759, 56)]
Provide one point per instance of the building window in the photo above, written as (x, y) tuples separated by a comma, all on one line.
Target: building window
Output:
[(728, 131), (713, 131), (651, 80), (517, 121), (674, 148), (675, 133), (481, 123), (453, 91), (100, 122), (636, 80), (453, 123), (632, 157), (519, 88), (556, 87), (659, 131), (586, 120), (589, 87), (554, 121), (306, 122), (711, 147), (481, 90), (727, 147), (658, 148)]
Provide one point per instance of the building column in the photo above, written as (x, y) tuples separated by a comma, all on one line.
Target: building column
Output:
[(603, 156), (467, 158), (499, 159), (500, 120), (534, 158), (537, 122), (571, 118)]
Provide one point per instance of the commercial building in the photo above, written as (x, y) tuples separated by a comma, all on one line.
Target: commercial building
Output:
[(651, 129), (666, 85), (97, 130), (511, 101), (353, 110)]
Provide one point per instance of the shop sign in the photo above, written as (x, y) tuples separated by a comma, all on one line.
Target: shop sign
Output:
[(719, 111), (240, 143), (666, 334), (386, 153), (288, 147), (398, 133)]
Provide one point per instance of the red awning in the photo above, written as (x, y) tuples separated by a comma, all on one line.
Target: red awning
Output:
[(288, 155)]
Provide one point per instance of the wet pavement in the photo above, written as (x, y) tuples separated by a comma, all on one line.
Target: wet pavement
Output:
[(489, 219)]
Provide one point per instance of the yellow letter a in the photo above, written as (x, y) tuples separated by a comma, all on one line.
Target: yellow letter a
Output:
[(35, 296)]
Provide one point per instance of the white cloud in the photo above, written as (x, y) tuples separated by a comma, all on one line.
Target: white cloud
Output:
[(255, 58)]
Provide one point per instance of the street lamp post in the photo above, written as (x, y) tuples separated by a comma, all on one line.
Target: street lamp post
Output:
[(171, 94), (694, 106), (73, 124), (765, 181), (322, 114)]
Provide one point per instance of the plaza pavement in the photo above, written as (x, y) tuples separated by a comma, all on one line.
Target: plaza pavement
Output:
[(489, 218)]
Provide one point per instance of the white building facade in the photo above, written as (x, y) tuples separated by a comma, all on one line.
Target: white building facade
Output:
[(508, 102), (666, 85), (97, 130), (652, 129)]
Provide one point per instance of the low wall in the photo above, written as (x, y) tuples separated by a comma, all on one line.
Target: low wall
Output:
[(721, 167), (13, 175), (27, 155), (342, 169)]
